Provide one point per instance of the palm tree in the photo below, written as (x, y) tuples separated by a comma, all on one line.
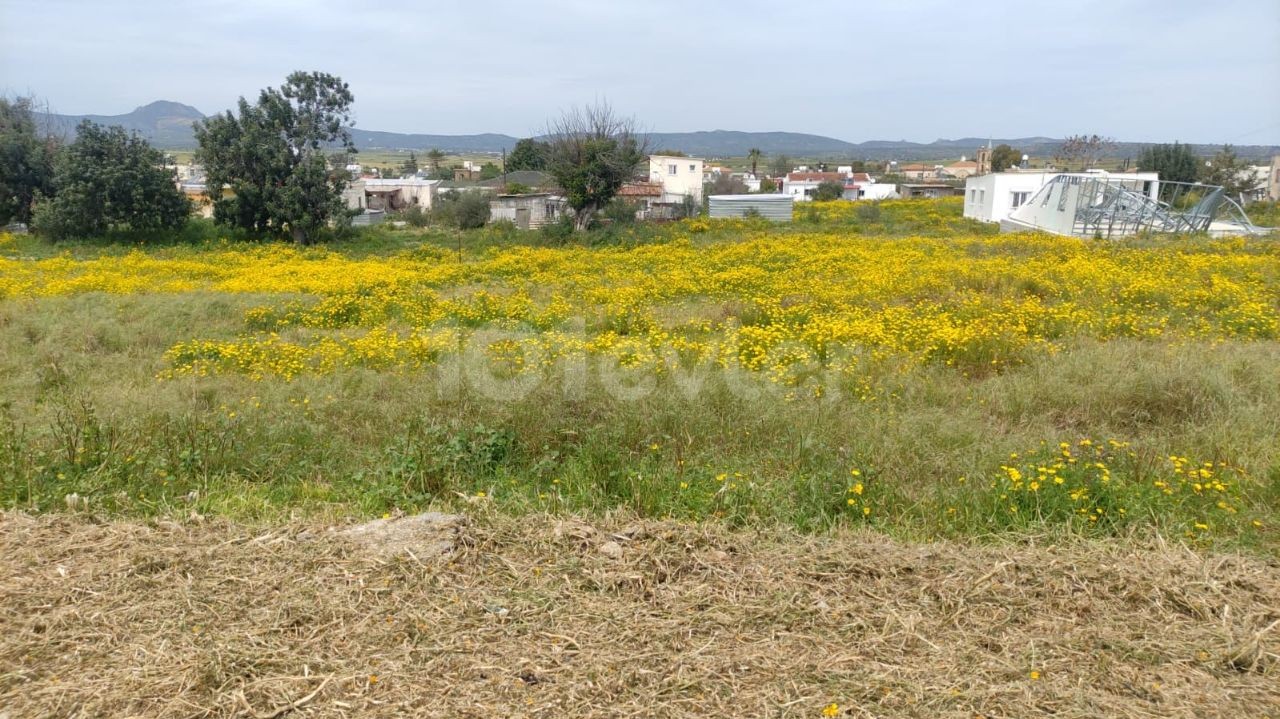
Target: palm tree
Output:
[(754, 154)]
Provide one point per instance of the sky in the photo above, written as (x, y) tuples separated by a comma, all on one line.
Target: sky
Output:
[(1155, 70)]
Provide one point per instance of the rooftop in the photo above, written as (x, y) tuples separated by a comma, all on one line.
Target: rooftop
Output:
[(814, 177)]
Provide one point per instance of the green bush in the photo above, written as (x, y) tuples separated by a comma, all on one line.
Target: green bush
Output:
[(473, 211), (620, 212)]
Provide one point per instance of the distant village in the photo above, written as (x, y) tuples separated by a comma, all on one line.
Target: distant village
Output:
[(673, 185)]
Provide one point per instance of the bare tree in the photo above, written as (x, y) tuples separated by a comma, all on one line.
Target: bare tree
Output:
[(591, 153), (1085, 150)]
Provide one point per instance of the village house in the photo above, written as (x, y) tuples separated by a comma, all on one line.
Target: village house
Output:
[(929, 190), (390, 195), (919, 171), (960, 170), (854, 185), (679, 176), (801, 185), (527, 211), (862, 186), (647, 199)]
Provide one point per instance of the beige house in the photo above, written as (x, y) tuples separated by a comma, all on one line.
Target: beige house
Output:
[(919, 171), (679, 177), (961, 170)]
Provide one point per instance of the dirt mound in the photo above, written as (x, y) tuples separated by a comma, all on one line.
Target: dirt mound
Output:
[(531, 617)]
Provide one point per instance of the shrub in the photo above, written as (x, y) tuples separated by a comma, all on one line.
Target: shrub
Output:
[(473, 211), (620, 212)]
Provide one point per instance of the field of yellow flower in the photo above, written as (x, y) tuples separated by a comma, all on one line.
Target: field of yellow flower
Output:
[(822, 322)]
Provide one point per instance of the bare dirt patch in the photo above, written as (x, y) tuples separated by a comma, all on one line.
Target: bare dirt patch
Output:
[(542, 617)]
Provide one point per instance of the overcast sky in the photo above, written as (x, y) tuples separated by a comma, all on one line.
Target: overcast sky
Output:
[(1159, 70)]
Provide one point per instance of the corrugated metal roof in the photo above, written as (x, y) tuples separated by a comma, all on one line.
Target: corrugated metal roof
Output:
[(773, 207)]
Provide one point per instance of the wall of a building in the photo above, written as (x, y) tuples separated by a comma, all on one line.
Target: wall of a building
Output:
[(990, 197), (687, 179), (543, 209)]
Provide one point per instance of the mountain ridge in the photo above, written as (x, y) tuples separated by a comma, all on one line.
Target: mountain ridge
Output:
[(167, 125)]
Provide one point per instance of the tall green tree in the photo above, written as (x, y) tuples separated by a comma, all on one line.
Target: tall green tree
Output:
[(592, 152), (435, 157), (110, 180), (1175, 163), (271, 155), (754, 154), (779, 166), (410, 165), (1003, 157), (26, 160), (1226, 169), (528, 154)]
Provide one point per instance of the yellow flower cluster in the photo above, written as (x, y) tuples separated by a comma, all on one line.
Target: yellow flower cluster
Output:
[(1078, 481), (789, 305)]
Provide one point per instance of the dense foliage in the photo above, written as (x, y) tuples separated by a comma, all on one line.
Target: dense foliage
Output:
[(270, 155), (528, 154), (1003, 157), (26, 161), (110, 180), (592, 153), (1175, 163)]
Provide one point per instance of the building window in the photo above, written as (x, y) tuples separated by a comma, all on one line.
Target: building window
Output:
[(1018, 198), (982, 196), (693, 168), (672, 169), (973, 196)]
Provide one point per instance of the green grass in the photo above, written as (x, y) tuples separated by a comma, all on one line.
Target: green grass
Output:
[(82, 412)]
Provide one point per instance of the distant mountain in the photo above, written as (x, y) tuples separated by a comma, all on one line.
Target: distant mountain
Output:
[(730, 143), (486, 142), (168, 125), (164, 124)]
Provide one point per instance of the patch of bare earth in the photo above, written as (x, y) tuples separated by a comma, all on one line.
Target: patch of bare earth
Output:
[(546, 618)]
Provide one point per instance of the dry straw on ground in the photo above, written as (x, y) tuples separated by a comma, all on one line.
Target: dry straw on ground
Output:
[(531, 618)]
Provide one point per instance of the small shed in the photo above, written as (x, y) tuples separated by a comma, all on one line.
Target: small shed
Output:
[(772, 207), (528, 212)]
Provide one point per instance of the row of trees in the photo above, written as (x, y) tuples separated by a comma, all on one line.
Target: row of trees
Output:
[(1178, 163), (105, 180)]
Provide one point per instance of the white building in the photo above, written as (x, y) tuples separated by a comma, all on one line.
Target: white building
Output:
[(993, 197), (856, 185), (861, 186), (679, 177), (801, 184), (390, 194)]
